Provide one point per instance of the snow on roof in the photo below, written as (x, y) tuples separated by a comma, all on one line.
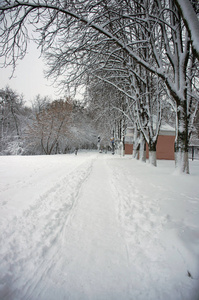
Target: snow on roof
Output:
[(166, 127)]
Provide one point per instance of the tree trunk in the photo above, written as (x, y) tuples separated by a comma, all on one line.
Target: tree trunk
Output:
[(142, 156), (191, 21), (181, 144), (136, 147), (152, 152), (136, 144)]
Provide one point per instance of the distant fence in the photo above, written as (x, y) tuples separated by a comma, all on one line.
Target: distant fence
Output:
[(194, 152)]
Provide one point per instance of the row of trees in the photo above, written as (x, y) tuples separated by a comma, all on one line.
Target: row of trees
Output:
[(48, 127), (146, 50)]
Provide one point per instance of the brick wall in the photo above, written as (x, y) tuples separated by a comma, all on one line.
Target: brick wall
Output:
[(128, 148), (164, 149)]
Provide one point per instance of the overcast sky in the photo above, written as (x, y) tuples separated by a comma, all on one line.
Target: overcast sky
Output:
[(29, 77)]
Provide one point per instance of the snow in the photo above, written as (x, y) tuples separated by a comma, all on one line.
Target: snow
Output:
[(167, 127), (97, 226)]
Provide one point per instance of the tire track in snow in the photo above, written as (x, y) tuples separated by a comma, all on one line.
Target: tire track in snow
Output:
[(95, 265), (27, 251)]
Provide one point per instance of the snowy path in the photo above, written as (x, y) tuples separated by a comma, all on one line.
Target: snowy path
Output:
[(87, 227), (69, 244), (31, 241), (95, 263)]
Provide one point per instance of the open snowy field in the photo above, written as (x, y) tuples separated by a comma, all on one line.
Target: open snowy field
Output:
[(97, 227)]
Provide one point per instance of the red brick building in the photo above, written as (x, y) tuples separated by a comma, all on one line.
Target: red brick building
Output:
[(165, 143)]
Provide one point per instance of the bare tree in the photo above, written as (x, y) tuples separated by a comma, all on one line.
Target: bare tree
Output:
[(40, 103), (108, 106), (71, 31), (51, 127), (12, 117), (189, 13), (83, 133)]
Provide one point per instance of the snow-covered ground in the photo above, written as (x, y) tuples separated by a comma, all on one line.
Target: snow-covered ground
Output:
[(97, 226)]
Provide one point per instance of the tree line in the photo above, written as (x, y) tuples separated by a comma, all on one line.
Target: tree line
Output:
[(48, 127), (147, 50)]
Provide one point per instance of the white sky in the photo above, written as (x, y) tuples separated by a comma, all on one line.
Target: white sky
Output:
[(29, 77)]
